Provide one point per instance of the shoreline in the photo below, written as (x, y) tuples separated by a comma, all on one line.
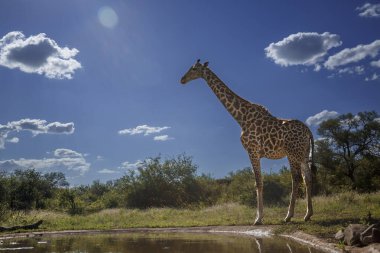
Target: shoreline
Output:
[(258, 232)]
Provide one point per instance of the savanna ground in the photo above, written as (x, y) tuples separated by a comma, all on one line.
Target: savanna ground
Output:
[(330, 215)]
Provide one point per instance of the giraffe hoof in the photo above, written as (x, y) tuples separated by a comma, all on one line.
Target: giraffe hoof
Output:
[(307, 218), (308, 215), (258, 223), (287, 219)]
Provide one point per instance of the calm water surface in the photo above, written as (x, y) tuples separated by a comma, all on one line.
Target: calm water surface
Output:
[(155, 243)]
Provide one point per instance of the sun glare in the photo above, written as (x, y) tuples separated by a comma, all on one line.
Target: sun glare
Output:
[(107, 17)]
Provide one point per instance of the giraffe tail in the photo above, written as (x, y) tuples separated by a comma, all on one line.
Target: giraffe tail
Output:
[(312, 162), (312, 167), (311, 158)]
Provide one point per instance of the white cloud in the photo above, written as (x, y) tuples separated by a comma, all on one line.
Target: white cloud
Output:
[(2, 142), (320, 117), (108, 171), (162, 138), (125, 166), (39, 126), (369, 10), (311, 49), (374, 77), (353, 55), (99, 158), (303, 48), (347, 123), (35, 126), (375, 64), (131, 166), (66, 153), (317, 67), (38, 54), (352, 70), (143, 129), (70, 165), (13, 140), (321, 138), (59, 128), (377, 120)]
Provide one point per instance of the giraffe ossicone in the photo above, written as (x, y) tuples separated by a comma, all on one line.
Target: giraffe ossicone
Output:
[(265, 136)]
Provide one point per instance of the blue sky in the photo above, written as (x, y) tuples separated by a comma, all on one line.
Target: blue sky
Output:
[(90, 88)]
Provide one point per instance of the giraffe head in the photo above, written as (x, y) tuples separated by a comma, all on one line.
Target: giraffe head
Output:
[(195, 71)]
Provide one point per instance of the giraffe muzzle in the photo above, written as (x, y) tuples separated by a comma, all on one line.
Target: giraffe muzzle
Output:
[(183, 80)]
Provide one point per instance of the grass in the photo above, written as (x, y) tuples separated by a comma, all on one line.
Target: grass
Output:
[(334, 213), (330, 214)]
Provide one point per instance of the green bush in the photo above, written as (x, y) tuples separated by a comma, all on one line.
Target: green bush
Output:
[(277, 188), (156, 183), (69, 201), (241, 187)]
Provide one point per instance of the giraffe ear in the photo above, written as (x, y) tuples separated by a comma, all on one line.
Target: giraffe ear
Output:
[(205, 64)]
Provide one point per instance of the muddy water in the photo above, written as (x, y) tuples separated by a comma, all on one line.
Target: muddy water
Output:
[(155, 243)]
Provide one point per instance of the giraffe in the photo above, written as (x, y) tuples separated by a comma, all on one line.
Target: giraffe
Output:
[(265, 136)]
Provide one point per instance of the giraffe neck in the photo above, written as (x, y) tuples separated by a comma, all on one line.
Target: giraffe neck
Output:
[(235, 105)]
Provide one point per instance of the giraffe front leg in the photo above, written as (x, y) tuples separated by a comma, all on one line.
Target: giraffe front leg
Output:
[(260, 206), (259, 190), (295, 170)]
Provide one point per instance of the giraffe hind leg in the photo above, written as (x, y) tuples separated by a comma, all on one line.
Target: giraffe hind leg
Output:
[(295, 170), (307, 177)]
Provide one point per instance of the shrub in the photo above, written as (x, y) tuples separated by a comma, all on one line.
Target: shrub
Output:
[(156, 183)]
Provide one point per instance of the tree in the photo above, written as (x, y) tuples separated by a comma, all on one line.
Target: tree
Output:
[(3, 188), (56, 179), (68, 199), (171, 183), (241, 187), (3, 197), (349, 149), (28, 189), (24, 193)]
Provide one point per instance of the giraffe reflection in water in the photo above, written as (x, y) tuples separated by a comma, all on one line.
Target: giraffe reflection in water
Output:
[(259, 243)]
